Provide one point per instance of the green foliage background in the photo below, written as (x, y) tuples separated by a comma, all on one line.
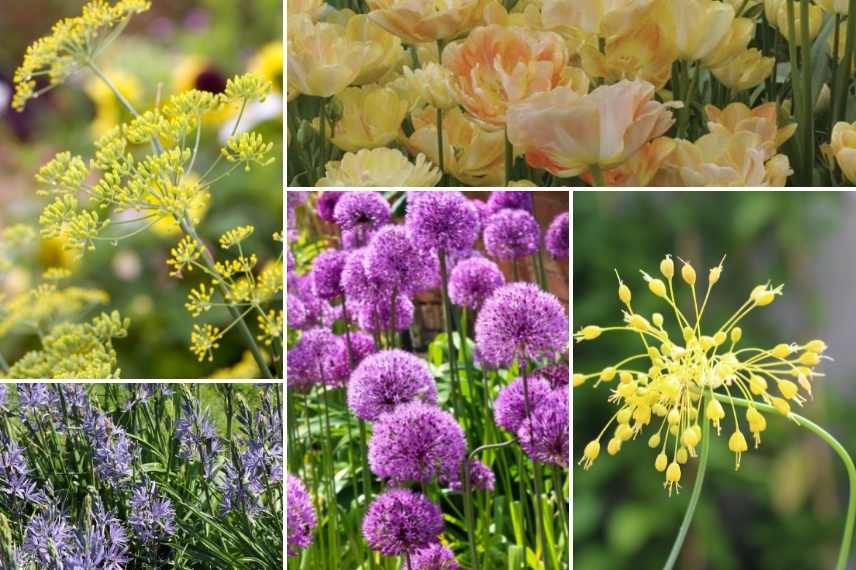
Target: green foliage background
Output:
[(784, 508)]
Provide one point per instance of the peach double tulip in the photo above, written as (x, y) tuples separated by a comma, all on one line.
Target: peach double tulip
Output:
[(567, 133), (745, 71), (762, 120), (496, 66), (641, 168), (644, 52), (602, 17), (416, 21), (379, 167), (695, 27), (371, 117)]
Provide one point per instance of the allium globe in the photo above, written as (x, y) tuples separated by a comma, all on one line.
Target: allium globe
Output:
[(295, 311), (557, 237), (443, 221), (556, 374), (326, 203), (300, 516), (473, 280), (434, 557), (319, 357), (509, 408), (481, 477), (401, 521), (327, 274), (374, 315), (511, 234), (362, 345), (416, 442), (514, 200), (361, 211), (355, 282), (520, 321), (387, 379), (544, 436), (394, 262)]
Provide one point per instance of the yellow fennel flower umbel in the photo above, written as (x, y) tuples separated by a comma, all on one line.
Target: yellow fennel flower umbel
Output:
[(678, 382)]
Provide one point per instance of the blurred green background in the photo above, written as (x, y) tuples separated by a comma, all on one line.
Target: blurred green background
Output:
[(784, 509), (177, 45)]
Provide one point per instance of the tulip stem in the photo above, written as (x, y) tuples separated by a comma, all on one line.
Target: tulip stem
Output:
[(850, 520), (440, 146), (597, 175), (684, 116), (842, 75), (509, 159), (807, 99), (694, 497)]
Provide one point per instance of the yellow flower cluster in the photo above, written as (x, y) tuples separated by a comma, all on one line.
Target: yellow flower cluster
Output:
[(678, 382)]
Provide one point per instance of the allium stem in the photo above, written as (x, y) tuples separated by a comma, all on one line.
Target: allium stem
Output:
[(536, 468), (447, 324), (468, 514), (850, 520), (559, 489), (694, 497)]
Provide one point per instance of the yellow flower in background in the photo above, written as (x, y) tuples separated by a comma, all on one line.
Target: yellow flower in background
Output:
[(732, 44), (762, 120), (108, 109), (496, 66), (834, 6), (379, 167), (54, 252), (723, 159), (311, 8), (695, 27), (322, 60), (371, 117), (524, 14), (388, 52), (472, 154), (747, 70), (643, 52), (198, 200), (601, 17), (432, 84), (843, 147), (267, 63), (815, 20), (197, 72), (679, 383), (567, 133), (641, 168), (416, 21)]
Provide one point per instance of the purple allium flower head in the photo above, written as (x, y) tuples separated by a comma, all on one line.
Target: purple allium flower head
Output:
[(556, 374), (473, 280), (557, 238), (318, 357), (355, 239), (364, 211), (362, 345), (318, 311), (327, 274), (483, 210), (519, 320), (48, 538), (355, 282), (290, 261), (400, 520), (511, 234), (481, 477), (300, 516), (197, 438), (393, 262), (326, 204), (374, 315), (152, 518), (442, 221), (544, 436), (416, 442), (295, 311), (513, 200), (434, 557), (386, 379), (296, 198), (112, 451), (509, 408)]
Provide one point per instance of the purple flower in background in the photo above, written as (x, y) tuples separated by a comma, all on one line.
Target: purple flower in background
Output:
[(152, 518), (519, 320), (556, 374), (290, 262), (443, 221), (394, 263), (509, 408), (473, 280), (362, 345), (361, 212), (197, 438), (400, 520), (14, 474), (295, 311), (481, 477), (326, 204), (483, 210), (48, 538), (318, 357), (355, 282), (112, 451), (300, 516), (416, 442), (37, 402), (514, 200), (374, 315), (296, 198), (319, 312), (557, 237), (386, 379), (327, 274), (2, 396), (511, 234), (544, 436), (434, 557)]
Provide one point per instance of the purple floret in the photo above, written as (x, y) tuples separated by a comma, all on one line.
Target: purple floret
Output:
[(319, 357), (327, 274), (386, 379), (473, 280), (300, 516), (544, 436), (514, 200), (326, 204), (509, 409), (511, 234), (519, 320), (442, 221), (152, 518), (558, 236), (434, 557), (361, 211), (416, 442), (400, 520)]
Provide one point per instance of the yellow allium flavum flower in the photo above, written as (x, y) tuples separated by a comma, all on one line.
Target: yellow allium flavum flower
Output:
[(416, 21), (379, 167), (677, 383), (371, 117)]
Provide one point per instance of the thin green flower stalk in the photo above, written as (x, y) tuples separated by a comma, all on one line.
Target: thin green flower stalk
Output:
[(680, 385)]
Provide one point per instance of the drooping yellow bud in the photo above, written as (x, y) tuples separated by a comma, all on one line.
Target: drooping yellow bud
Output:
[(690, 438), (782, 406), (657, 287), (816, 346), (624, 432), (614, 446), (658, 320), (667, 267), (673, 475), (661, 462), (607, 373), (623, 415), (781, 351), (736, 335), (654, 441), (809, 358), (638, 322), (757, 424), (624, 293), (788, 389), (591, 332), (715, 413), (737, 444), (688, 273), (624, 377), (757, 384), (578, 380), (682, 455), (590, 453), (674, 416), (719, 338)]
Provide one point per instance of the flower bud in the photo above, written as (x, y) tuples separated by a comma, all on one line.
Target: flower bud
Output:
[(688, 273), (661, 462), (657, 287), (667, 267), (591, 332)]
